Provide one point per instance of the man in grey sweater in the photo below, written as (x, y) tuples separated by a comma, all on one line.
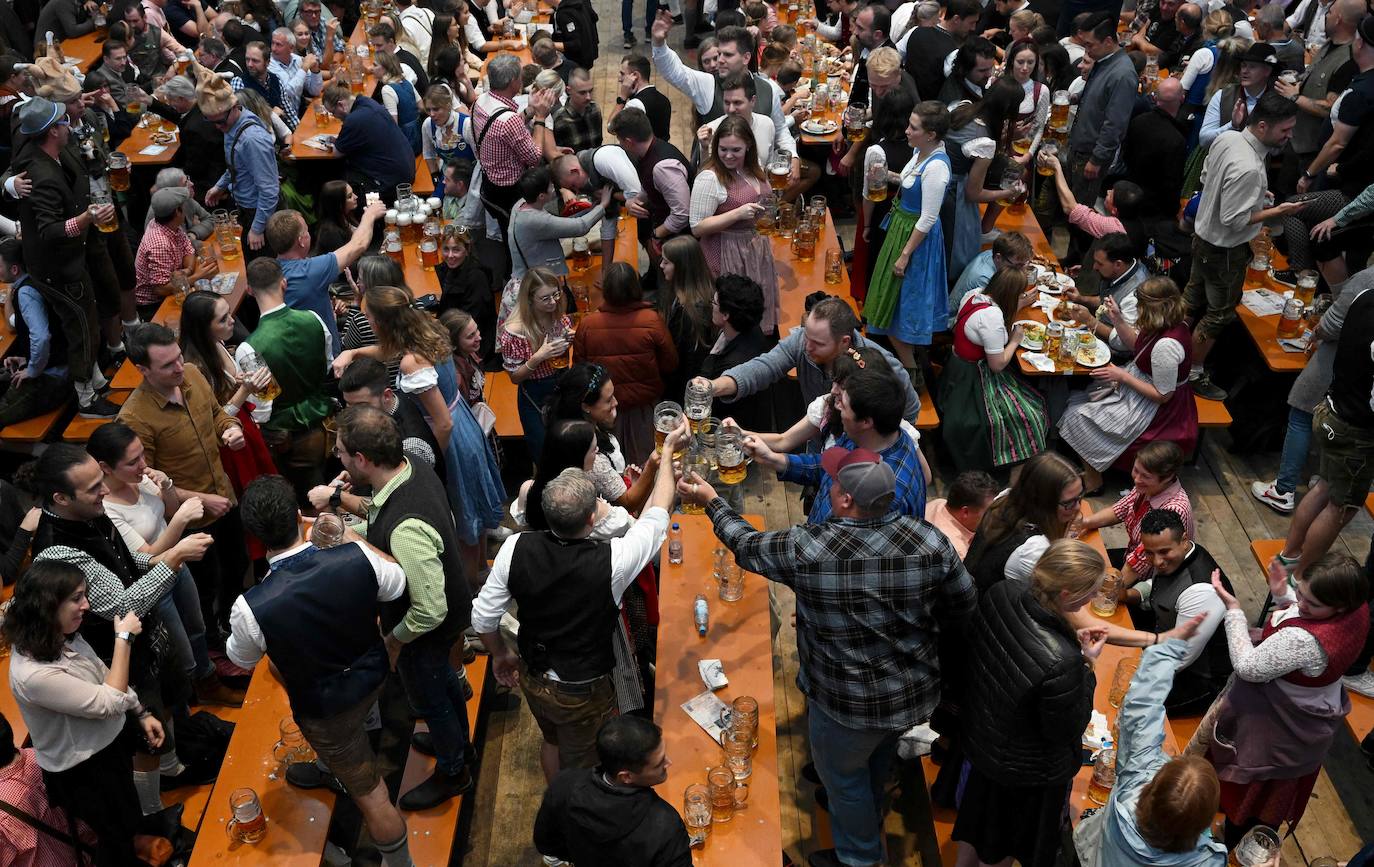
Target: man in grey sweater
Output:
[(830, 329), (1104, 109)]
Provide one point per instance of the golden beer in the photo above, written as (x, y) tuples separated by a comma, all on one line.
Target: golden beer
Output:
[(778, 177), (876, 193), (855, 132), (397, 254), (1098, 793), (731, 467), (271, 392), (108, 226), (1044, 170), (119, 179), (561, 362), (355, 85), (580, 260), (429, 255)]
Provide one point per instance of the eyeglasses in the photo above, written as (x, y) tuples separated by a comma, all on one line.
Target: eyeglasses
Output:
[(1071, 502), (548, 299)]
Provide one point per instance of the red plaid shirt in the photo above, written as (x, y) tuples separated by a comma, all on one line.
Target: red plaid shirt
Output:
[(162, 251), (515, 350), (1131, 509), (21, 844), (507, 148)]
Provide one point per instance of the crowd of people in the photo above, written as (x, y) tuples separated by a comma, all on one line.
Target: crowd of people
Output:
[(309, 470)]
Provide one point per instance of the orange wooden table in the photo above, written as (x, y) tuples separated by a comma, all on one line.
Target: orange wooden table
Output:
[(142, 137), (297, 819), (740, 636), (836, 115), (1264, 330), (85, 50)]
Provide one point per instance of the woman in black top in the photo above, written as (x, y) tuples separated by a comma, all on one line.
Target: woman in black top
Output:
[(335, 227), (684, 302), (737, 311), (465, 284)]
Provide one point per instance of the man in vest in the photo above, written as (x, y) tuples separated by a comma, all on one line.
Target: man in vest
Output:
[(736, 46), (409, 518), (316, 614), (635, 91), (665, 182), (367, 381), (1180, 590), (568, 590), (296, 347)]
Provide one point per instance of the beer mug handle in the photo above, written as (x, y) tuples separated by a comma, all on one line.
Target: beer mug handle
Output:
[(281, 752), (232, 829)]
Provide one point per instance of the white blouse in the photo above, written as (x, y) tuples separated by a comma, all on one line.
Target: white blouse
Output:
[(1283, 652), (934, 178), (986, 327), (708, 194)]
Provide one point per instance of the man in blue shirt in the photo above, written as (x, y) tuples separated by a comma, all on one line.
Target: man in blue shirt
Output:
[(377, 155), (250, 153), (1009, 250), (870, 407), (308, 277), (37, 383)]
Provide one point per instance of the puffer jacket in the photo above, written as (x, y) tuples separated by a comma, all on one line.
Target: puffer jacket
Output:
[(635, 347), (1030, 691)]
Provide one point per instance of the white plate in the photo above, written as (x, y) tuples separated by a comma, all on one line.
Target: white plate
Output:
[(1051, 290), (1101, 354), (1027, 342), (823, 127)]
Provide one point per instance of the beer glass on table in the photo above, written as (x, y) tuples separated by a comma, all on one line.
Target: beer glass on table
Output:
[(744, 716), (247, 824), (1259, 846), (721, 782), (696, 813), (834, 267), (738, 749)]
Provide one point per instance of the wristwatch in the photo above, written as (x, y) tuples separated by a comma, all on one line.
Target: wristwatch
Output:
[(336, 498), (127, 636)]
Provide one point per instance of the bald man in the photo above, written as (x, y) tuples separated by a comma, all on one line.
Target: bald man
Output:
[(1155, 150)]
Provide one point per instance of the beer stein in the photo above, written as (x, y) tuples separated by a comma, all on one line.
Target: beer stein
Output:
[(1104, 777), (328, 530), (696, 813), (721, 783), (247, 824), (293, 747)]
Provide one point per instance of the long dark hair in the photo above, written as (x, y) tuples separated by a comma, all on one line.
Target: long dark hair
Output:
[(200, 347), (30, 624), (565, 445), (332, 207), (440, 40), (1033, 500), (891, 112), (581, 384), (998, 108), (110, 442)]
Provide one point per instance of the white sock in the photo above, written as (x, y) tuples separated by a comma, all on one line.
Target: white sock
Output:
[(170, 765), (98, 379), (396, 854), (149, 791), (85, 393)]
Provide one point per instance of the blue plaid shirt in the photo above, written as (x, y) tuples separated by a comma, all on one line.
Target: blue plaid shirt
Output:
[(901, 456), (872, 597)]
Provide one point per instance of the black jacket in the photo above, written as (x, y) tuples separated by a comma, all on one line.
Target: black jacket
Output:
[(61, 190), (586, 820), (1155, 150), (926, 50), (201, 154), (1029, 692)]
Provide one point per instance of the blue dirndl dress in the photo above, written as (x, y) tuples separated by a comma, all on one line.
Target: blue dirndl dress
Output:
[(922, 302), (407, 115)]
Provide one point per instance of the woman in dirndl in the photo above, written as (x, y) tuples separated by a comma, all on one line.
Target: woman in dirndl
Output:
[(1270, 731), (907, 297), (1147, 400), (995, 417), (727, 198)]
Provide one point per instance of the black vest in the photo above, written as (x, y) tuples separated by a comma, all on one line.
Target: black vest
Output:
[(423, 496), (567, 614), (1214, 663), (659, 151), (659, 109), (318, 613), (57, 345), (100, 539), (1354, 368)]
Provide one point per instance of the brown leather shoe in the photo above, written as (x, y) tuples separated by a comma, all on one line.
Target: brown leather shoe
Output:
[(211, 690)]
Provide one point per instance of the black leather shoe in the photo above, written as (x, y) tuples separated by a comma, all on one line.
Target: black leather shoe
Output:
[(824, 858), (810, 774), (308, 775), (423, 742), (439, 788)]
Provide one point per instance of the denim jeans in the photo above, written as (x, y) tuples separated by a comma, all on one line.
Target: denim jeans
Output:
[(436, 696), (180, 611), (1296, 441), (853, 765)]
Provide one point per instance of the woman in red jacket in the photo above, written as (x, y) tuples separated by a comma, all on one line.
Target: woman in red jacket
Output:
[(628, 336)]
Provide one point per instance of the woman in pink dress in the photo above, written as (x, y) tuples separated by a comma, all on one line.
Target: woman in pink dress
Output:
[(727, 198)]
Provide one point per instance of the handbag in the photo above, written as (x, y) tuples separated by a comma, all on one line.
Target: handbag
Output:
[(485, 415)]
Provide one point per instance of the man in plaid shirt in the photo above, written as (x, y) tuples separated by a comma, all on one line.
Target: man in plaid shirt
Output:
[(869, 405), (874, 589)]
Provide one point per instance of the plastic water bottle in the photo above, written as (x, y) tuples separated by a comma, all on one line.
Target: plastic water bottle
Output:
[(675, 544), (701, 613)]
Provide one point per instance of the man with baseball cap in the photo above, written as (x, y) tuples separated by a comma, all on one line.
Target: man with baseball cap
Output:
[(874, 588), (55, 220)]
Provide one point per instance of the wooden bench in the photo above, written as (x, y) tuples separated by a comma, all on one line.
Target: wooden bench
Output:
[(1361, 716), (503, 396), (1210, 414), (928, 418), (34, 430), (79, 429)]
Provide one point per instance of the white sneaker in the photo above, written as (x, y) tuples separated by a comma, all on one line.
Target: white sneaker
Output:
[(1361, 683), (1269, 495), (916, 741), (555, 862)]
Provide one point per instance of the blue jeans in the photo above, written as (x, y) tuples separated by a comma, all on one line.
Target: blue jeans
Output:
[(436, 696), (180, 611), (853, 765), (1296, 441)]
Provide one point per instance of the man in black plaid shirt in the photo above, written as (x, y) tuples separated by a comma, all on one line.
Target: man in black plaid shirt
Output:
[(577, 122), (873, 591)]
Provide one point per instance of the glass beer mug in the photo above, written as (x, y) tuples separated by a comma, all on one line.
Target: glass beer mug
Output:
[(875, 176), (247, 824)]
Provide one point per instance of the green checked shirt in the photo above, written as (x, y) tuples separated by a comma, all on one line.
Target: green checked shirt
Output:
[(417, 548)]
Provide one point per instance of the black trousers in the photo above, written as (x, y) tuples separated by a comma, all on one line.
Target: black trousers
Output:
[(499, 201), (100, 792), (219, 576)]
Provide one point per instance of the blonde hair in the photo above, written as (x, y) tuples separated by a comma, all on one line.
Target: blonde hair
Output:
[(524, 314), (1160, 305), (1218, 25), (401, 328), (884, 61), (1027, 20), (550, 80), (1068, 566)]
